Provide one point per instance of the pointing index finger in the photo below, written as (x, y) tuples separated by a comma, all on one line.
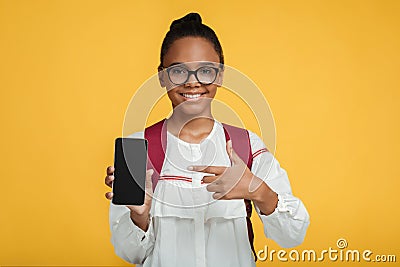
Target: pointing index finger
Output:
[(209, 179)]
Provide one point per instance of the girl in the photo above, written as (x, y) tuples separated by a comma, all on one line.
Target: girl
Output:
[(196, 215)]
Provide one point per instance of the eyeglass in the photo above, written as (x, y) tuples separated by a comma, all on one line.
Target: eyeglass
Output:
[(179, 75)]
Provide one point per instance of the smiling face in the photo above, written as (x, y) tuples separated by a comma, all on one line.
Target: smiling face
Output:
[(191, 53)]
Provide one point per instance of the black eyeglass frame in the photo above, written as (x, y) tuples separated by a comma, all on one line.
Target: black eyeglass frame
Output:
[(190, 72)]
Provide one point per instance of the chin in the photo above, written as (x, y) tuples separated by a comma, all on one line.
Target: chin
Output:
[(191, 108)]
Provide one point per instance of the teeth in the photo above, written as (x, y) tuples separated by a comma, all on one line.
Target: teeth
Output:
[(191, 96)]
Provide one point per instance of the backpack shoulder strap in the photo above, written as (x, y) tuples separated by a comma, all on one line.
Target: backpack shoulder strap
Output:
[(241, 144), (156, 136)]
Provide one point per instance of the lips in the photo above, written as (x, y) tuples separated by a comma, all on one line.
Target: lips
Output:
[(191, 96)]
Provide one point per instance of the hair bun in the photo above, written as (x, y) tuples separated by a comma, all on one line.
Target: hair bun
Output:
[(191, 17)]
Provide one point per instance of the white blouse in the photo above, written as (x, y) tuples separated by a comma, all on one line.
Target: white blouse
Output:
[(190, 228)]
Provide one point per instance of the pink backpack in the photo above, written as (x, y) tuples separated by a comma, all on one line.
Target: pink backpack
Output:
[(156, 136)]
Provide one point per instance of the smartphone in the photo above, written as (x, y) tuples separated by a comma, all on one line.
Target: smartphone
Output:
[(130, 159)]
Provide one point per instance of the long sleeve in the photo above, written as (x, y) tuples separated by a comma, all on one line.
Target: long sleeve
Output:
[(130, 242), (288, 224)]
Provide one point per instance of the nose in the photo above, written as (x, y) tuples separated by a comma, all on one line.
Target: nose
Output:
[(192, 81)]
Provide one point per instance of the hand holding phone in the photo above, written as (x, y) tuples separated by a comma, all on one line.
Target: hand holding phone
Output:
[(139, 214)]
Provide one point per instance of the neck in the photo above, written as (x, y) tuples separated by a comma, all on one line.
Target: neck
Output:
[(180, 122)]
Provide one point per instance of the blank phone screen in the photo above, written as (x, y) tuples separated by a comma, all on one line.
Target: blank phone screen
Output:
[(130, 159)]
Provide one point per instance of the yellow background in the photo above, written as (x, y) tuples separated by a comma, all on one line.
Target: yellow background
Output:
[(329, 69)]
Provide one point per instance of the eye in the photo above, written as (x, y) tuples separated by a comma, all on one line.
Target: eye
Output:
[(206, 70), (178, 71)]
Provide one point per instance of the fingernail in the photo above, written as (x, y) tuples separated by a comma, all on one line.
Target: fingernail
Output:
[(190, 168)]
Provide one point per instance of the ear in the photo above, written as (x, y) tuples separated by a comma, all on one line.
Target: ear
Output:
[(220, 78), (161, 76)]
